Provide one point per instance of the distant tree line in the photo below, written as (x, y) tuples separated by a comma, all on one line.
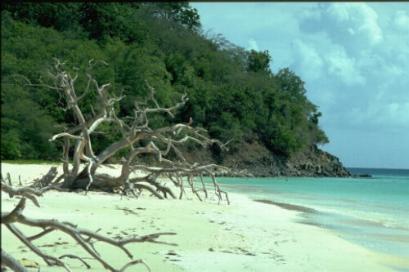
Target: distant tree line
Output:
[(232, 92)]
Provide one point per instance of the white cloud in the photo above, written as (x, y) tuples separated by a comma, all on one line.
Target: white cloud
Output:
[(401, 20), (307, 60), (317, 61), (369, 23), (253, 45), (343, 67), (353, 25), (381, 115)]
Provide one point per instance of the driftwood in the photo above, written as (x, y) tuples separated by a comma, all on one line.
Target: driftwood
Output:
[(80, 162), (85, 238)]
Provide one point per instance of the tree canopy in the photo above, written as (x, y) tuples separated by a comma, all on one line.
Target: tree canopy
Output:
[(232, 92)]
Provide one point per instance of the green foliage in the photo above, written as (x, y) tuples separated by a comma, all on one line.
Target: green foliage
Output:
[(25, 128), (179, 12), (259, 61), (232, 92), (61, 16)]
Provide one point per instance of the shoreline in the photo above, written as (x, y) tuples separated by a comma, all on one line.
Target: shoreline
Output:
[(287, 206), (243, 236)]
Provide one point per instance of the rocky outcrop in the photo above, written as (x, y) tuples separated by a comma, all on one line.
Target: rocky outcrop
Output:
[(315, 162), (255, 160)]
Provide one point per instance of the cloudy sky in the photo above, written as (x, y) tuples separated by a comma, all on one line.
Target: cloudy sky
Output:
[(354, 58)]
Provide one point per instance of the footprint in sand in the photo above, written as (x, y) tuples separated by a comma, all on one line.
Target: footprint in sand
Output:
[(278, 258), (29, 263), (172, 253), (171, 256), (54, 244), (246, 252)]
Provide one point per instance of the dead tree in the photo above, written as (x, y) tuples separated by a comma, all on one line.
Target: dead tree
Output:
[(80, 162), (85, 238)]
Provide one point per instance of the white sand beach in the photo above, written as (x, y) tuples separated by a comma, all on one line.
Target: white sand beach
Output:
[(243, 236)]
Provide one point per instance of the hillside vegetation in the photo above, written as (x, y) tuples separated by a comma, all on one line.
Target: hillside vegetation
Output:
[(232, 92)]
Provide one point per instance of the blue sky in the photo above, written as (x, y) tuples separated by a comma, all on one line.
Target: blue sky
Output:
[(354, 58)]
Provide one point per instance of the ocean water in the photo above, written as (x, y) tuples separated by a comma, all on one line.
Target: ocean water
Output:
[(373, 212)]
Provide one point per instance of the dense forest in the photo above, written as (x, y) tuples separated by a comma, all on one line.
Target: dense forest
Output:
[(232, 91)]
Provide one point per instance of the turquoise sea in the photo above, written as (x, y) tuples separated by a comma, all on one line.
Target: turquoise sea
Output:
[(373, 212)]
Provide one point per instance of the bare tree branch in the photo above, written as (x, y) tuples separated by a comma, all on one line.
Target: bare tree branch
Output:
[(136, 132), (10, 262), (82, 236)]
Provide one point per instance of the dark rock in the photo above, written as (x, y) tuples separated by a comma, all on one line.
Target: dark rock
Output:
[(362, 176)]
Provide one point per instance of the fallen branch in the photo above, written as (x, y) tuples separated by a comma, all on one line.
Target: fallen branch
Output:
[(85, 238)]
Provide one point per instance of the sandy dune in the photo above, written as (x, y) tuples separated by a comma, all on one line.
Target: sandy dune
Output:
[(243, 236)]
